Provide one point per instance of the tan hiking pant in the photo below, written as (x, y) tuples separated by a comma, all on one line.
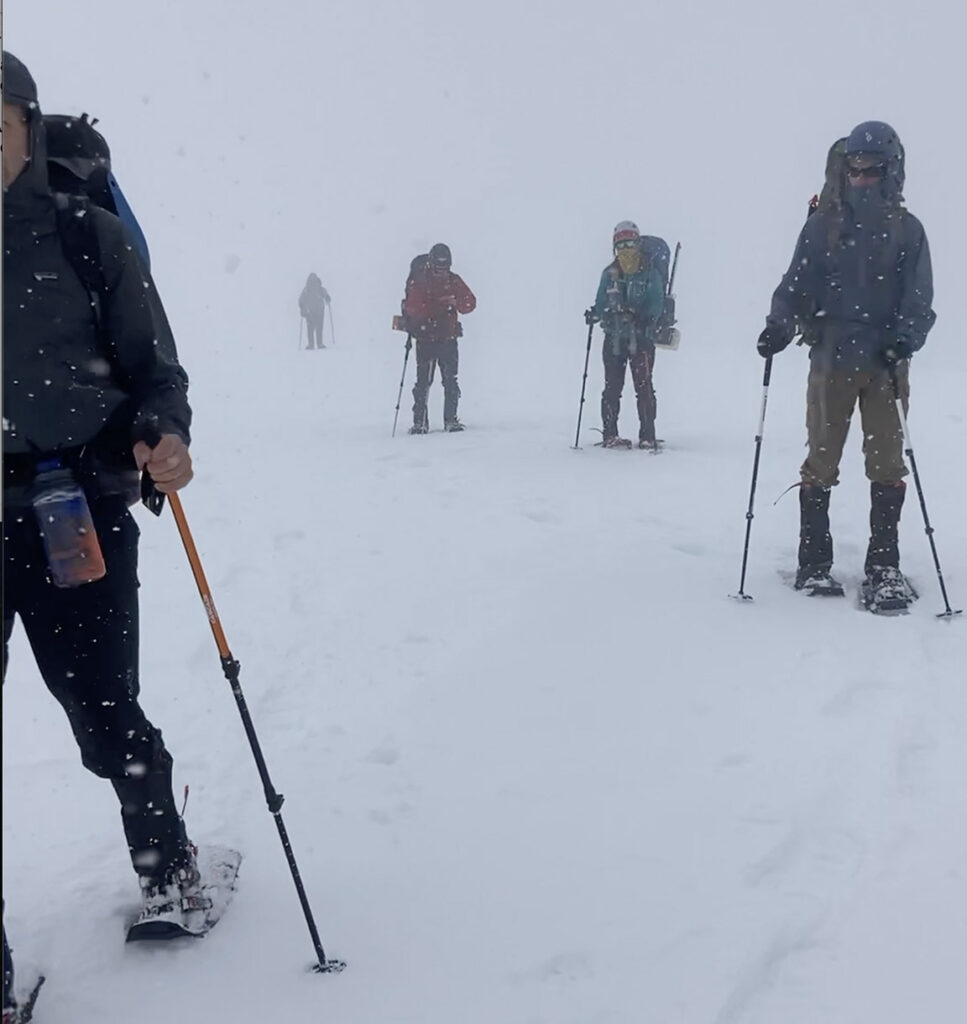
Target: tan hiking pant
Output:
[(830, 399)]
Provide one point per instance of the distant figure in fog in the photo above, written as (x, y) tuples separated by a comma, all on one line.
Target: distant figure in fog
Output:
[(312, 305)]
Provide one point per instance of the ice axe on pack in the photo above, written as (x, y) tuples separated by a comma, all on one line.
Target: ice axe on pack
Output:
[(231, 667)]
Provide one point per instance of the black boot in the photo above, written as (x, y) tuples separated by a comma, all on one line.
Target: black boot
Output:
[(885, 589), (886, 502), (153, 827), (815, 544)]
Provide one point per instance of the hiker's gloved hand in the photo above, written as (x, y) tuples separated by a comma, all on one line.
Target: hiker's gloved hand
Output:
[(168, 463), (897, 349), (590, 317), (771, 341)]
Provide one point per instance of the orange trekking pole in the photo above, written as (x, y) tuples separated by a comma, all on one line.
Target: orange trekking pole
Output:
[(231, 668)]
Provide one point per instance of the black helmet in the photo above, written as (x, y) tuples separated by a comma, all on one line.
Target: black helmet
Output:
[(19, 87), (440, 257), (76, 146), (874, 138)]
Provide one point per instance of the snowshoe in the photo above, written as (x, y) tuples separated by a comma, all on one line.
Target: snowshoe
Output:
[(651, 446), (818, 582), (190, 900), (615, 442), (419, 428), (886, 591), (453, 427)]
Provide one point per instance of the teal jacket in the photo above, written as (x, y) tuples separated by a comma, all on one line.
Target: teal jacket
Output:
[(629, 307)]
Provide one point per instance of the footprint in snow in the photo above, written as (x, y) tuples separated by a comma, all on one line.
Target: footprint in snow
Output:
[(386, 753), (572, 966), (288, 538)]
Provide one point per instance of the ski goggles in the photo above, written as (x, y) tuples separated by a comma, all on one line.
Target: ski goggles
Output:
[(865, 167), (626, 243)]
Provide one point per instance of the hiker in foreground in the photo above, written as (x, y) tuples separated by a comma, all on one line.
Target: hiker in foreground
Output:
[(629, 305), (86, 387), (435, 296), (859, 289)]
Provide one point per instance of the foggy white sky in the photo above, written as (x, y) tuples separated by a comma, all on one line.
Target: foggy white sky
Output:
[(342, 137)]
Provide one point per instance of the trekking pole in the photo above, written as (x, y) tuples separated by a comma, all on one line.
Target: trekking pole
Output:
[(426, 407), (584, 381), (331, 324), (948, 612), (301, 322), (399, 397), (767, 373), (231, 669)]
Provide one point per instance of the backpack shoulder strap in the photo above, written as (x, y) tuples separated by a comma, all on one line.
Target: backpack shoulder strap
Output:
[(81, 247)]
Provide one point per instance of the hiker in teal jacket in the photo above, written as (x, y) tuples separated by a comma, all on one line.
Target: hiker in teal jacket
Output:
[(629, 307)]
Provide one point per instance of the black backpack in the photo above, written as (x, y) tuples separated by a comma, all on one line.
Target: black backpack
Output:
[(79, 165), (418, 268)]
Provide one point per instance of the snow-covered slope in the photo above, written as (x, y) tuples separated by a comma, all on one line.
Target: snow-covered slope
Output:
[(538, 767)]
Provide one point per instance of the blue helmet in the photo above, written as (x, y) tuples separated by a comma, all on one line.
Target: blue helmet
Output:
[(874, 138)]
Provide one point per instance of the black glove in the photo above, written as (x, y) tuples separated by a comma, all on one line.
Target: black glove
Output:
[(590, 317), (771, 341), (897, 349)]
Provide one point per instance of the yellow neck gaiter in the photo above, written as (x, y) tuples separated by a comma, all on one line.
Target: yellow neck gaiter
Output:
[(629, 260)]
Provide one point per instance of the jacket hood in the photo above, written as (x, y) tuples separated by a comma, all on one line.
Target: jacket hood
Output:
[(20, 89)]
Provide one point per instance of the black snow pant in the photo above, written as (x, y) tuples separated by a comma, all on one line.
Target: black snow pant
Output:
[(85, 641), (8, 1000), (642, 368), (444, 354), (314, 332)]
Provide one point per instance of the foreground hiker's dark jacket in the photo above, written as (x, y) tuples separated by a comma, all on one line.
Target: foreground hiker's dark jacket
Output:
[(860, 279), (77, 384)]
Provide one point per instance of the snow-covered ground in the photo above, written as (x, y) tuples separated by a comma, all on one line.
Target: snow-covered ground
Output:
[(538, 767)]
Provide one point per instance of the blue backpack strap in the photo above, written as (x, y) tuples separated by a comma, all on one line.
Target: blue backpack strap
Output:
[(130, 222)]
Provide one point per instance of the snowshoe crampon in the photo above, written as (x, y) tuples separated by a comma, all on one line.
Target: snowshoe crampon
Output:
[(614, 442), (191, 901), (818, 583), (886, 591)]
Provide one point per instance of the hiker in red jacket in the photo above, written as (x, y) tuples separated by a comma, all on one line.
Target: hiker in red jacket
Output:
[(434, 298)]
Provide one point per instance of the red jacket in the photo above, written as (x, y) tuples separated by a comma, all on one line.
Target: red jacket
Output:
[(432, 303)]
